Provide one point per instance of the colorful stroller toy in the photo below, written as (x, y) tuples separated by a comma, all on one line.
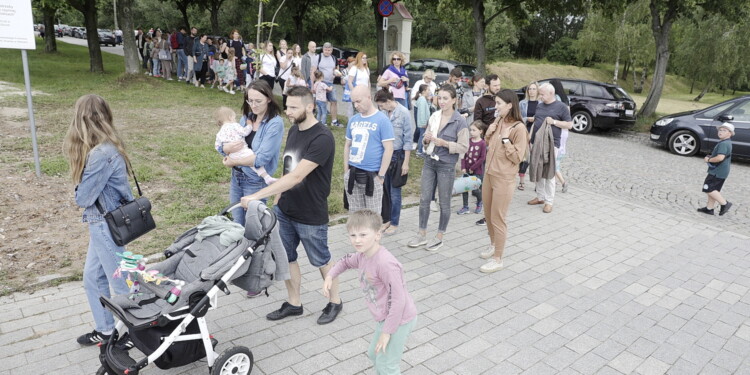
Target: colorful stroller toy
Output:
[(164, 315)]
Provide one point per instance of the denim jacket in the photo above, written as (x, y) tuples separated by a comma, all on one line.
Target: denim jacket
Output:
[(403, 131), (105, 178), (267, 142)]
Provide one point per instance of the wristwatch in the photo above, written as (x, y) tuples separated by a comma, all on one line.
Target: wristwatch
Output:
[(382, 177), (506, 140)]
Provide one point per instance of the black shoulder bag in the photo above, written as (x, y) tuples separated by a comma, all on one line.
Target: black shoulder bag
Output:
[(131, 220)]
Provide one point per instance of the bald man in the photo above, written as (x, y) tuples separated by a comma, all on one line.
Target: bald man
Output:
[(367, 153), (556, 114), (306, 63)]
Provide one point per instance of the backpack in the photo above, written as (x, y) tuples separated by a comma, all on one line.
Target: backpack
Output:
[(335, 62), (173, 41)]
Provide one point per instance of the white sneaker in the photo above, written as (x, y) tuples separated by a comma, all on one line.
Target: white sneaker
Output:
[(487, 254), (435, 244), (231, 92), (491, 266), (224, 88), (434, 206), (418, 241)]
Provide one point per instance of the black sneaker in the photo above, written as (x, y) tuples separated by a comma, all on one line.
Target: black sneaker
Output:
[(125, 343), (705, 210), (286, 310), (91, 338), (482, 222), (725, 208), (330, 312)]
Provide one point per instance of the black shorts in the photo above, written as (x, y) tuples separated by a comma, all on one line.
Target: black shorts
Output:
[(712, 183)]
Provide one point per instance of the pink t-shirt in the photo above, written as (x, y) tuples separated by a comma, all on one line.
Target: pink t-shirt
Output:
[(382, 282), (398, 93)]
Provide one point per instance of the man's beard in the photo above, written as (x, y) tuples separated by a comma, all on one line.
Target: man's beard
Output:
[(301, 119)]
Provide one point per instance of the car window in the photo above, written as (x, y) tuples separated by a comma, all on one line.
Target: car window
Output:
[(741, 112), (442, 68), (431, 64), (415, 66), (715, 111), (572, 88), (620, 94), (596, 91), (467, 70)]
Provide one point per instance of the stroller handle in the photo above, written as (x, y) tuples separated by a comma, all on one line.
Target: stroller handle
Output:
[(231, 207), (267, 211)]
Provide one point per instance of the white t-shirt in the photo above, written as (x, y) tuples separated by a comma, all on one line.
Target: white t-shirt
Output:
[(432, 84), (362, 75), (268, 65), (285, 73)]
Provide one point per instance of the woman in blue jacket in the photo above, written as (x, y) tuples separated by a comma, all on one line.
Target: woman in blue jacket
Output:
[(99, 166), (260, 111)]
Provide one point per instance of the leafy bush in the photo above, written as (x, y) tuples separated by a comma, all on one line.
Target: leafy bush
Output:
[(563, 52)]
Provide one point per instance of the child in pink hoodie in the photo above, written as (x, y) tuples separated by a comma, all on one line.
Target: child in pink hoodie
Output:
[(382, 281)]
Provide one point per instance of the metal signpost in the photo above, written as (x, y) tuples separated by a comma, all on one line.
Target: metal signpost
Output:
[(17, 32)]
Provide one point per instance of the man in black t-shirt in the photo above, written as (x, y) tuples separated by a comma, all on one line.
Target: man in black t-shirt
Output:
[(302, 200)]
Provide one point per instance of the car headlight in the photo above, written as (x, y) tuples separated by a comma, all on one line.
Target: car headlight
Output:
[(663, 122)]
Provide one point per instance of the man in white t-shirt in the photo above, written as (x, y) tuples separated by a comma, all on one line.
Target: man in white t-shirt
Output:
[(328, 65)]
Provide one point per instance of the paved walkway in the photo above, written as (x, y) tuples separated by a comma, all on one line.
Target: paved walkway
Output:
[(601, 285)]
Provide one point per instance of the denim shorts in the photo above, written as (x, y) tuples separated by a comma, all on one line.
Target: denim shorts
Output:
[(314, 239), (330, 95)]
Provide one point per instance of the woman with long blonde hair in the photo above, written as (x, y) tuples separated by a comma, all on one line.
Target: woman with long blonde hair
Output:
[(99, 168)]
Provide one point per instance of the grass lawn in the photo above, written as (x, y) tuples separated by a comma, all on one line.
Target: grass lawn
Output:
[(167, 126)]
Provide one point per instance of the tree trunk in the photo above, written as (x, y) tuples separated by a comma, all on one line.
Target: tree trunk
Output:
[(50, 39), (704, 91), (617, 67), (273, 19), (643, 76), (125, 19), (625, 70), (477, 11), (183, 9), (380, 37), (215, 17), (299, 31), (660, 29), (89, 10), (692, 85), (637, 87)]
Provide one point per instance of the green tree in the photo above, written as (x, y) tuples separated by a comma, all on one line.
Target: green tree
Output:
[(50, 9), (89, 10)]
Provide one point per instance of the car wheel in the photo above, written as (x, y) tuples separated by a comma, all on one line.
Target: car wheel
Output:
[(582, 122), (684, 142)]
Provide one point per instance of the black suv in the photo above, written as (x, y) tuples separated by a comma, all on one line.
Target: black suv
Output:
[(595, 104)]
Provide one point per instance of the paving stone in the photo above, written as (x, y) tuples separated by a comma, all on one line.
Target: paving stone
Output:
[(652, 366)]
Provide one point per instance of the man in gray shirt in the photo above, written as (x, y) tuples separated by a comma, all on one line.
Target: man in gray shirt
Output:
[(328, 65), (307, 61)]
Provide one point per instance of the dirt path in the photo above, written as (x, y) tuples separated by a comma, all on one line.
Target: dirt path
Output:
[(41, 237)]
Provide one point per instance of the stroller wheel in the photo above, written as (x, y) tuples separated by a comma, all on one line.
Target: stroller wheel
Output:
[(237, 360)]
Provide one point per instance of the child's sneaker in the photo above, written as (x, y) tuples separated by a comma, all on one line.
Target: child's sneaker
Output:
[(725, 208), (479, 208), (463, 211), (705, 210)]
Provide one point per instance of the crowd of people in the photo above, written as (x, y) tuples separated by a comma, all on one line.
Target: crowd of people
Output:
[(481, 131)]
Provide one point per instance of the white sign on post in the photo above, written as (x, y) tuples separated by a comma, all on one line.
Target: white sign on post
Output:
[(16, 25)]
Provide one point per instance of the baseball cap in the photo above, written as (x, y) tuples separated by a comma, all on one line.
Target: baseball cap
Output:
[(727, 126)]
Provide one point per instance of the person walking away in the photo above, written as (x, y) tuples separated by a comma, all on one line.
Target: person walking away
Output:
[(99, 166), (382, 281), (367, 153), (551, 117), (507, 140), (398, 169), (302, 202), (528, 109), (718, 170), (328, 65), (472, 164), (321, 97), (446, 138)]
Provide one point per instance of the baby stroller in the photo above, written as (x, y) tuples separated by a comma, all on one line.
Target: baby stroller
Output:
[(166, 320)]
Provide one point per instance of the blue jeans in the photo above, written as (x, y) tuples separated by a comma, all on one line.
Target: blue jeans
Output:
[(314, 239), (322, 111), (438, 174), (155, 66), (181, 63), (101, 263), (420, 131), (395, 191), (243, 184)]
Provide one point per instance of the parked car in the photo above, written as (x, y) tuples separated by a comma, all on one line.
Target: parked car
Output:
[(59, 30), (67, 30), (687, 133), (79, 32), (341, 54), (595, 104), (442, 69), (107, 37)]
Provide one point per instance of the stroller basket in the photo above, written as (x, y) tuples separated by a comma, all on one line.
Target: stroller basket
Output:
[(173, 332)]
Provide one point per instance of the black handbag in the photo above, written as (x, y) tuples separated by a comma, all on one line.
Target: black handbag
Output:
[(397, 180), (131, 220)]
